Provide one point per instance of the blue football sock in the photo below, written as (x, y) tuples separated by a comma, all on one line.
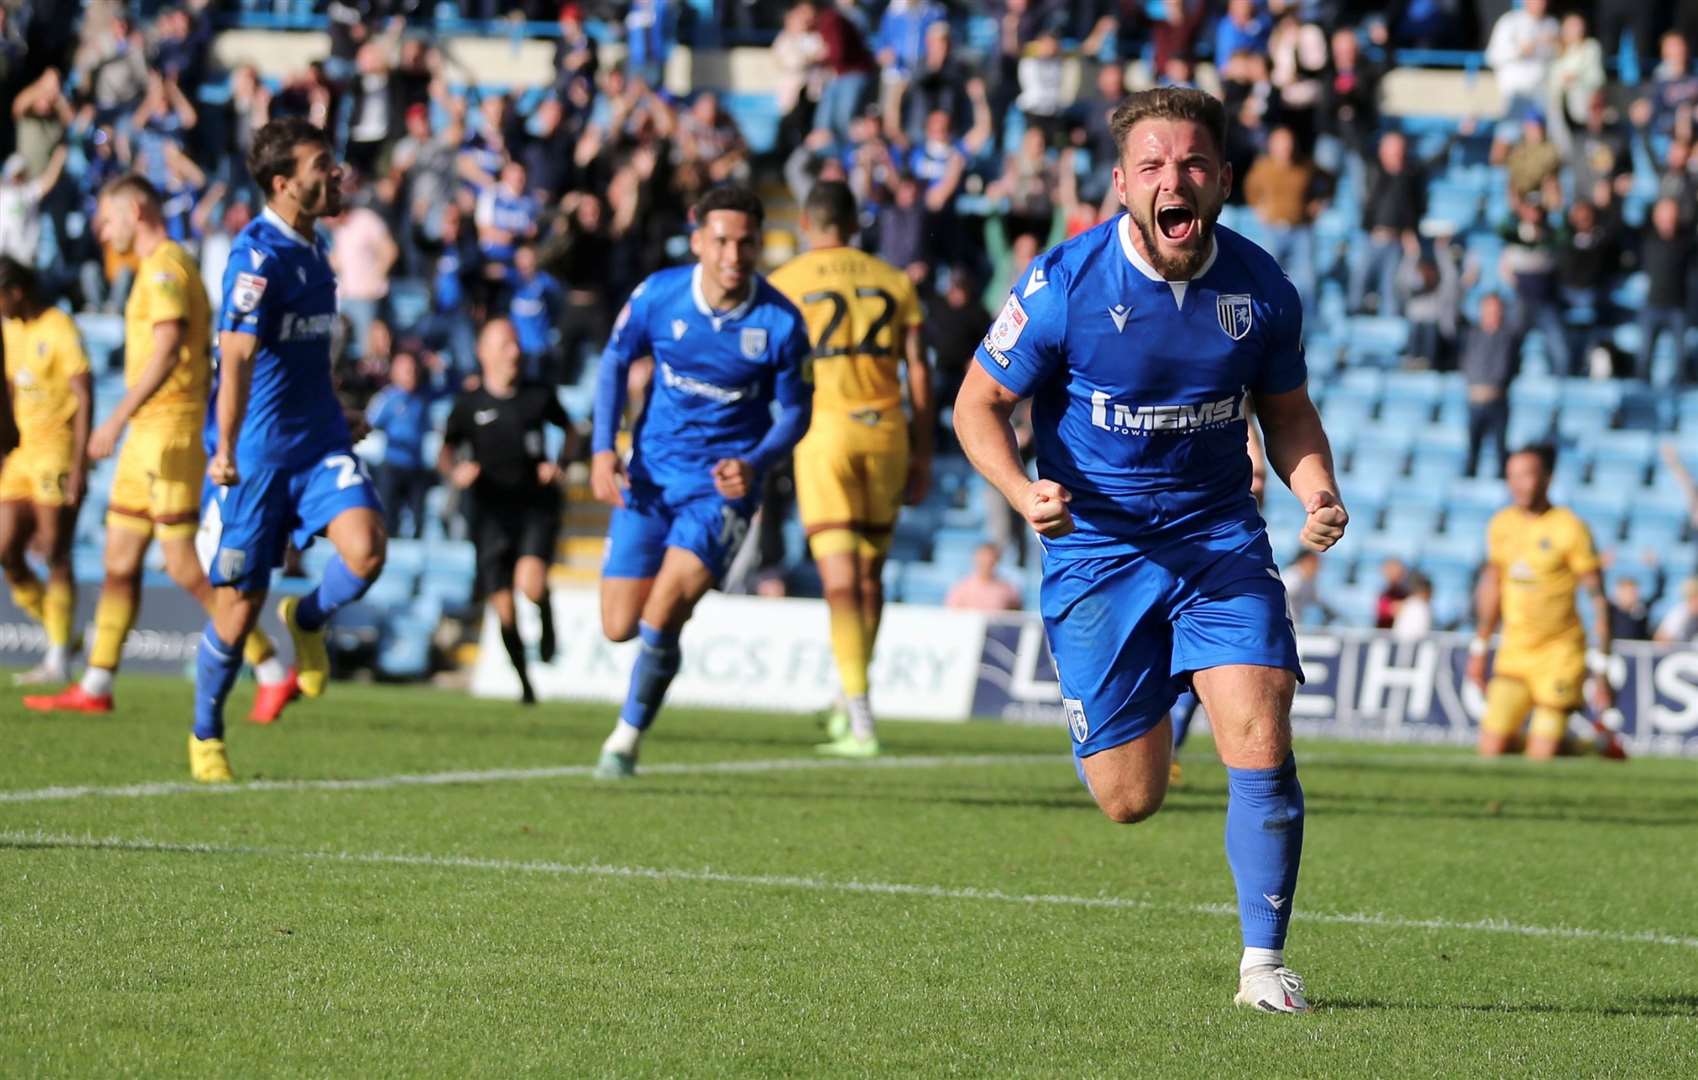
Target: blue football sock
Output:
[(338, 589), (216, 666), (1264, 844), (657, 663), (1182, 712)]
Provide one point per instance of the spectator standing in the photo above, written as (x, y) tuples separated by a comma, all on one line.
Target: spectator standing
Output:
[(648, 39), (533, 308), (1529, 264), (1280, 190), (901, 40), (1674, 85), (576, 253), (401, 411), (983, 589), (1597, 152), (362, 252), (1432, 289), (372, 108), (956, 321), (1588, 266), (1301, 579), (1242, 28), (1414, 618), (1028, 177), (20, 205), (1665, 254), (1520, 53), (850, 63), (940, 82), (798, 52), (1680, 625), (1490, 358), (1392, 209), (1350, 99), (506, 218), (1041, 74), (1577, 74), (1629, 618), (1392, 594)]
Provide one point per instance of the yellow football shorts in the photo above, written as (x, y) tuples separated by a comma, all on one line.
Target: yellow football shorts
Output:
[(851, 477), (1547, 680), (158, 483), (37, 473)]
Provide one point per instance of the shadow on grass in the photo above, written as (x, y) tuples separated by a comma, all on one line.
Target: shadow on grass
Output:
[(1681, 1006)]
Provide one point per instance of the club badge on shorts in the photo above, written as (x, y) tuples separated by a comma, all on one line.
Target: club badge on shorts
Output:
[(1233, 311), (1076, 722)]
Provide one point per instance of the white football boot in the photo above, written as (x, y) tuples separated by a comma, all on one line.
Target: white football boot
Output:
[(1272, 989)]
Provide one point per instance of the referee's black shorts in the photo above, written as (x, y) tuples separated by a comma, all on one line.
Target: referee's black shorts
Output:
[(509, 529)]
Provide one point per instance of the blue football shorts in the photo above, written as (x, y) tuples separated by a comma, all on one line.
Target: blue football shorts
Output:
[(698, 520), (244, 528), (1128, 630)]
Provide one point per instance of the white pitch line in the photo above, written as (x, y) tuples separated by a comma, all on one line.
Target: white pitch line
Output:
[(817, 884), (502, 776)]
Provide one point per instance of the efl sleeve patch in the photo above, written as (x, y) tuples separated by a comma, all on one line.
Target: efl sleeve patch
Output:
[(248, 290), (1009, 325)]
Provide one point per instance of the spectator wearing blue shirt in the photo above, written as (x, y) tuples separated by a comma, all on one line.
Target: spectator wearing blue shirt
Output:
[(648, 37), (449, 327), (1244, 28), (506, 216), (901, 40), (534, 310), (401, 411)]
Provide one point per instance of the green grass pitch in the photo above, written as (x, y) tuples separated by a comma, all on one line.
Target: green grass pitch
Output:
[(958, 908)]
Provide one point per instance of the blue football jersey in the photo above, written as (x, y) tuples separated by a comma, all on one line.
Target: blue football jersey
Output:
[(1139, 386), (716, 376), (279, 288)]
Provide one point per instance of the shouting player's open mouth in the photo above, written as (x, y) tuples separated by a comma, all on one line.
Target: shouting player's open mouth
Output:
[(1177, 222)]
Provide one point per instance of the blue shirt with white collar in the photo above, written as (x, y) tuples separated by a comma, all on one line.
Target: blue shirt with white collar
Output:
[(717, 376), (279, 288), (1139, 385)]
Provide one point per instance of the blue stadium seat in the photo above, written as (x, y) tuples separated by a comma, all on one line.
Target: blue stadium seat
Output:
[(1409, 519), (1406, 412), (1638, 448), (1455, 550), (1386, 545), (1467, 520)]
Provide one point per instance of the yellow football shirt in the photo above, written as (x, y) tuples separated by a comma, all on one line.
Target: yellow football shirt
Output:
[(1540, 560), (43, 355), (168, 288), (858, 309)]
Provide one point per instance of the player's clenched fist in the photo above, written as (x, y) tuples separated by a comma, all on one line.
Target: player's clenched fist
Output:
[(607, 478), (1326, 521), (221, 470), (733, 478), (1045, 508)]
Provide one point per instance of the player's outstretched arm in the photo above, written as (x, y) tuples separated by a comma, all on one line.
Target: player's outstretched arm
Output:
[(1298, 450), (235, 373), (983, 425), (82, 388)]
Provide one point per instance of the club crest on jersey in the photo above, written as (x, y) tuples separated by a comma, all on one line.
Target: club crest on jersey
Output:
[(246, 295), (1076, 722), (1233, 311), (753, 341)]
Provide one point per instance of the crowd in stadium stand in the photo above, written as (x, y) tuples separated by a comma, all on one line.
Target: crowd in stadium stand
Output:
[(968, 154)]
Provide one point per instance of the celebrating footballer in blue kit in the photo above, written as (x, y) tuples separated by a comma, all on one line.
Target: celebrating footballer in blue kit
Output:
[(1142, 343), (726, 347), (281, 461)]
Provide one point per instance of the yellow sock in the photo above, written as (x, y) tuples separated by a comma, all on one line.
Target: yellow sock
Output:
[(850, 647), (258, 647), (113, 616), (56, 612), (28, 597)]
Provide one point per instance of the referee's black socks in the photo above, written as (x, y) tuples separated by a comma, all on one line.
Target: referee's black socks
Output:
[(516, 653), (545, 644)]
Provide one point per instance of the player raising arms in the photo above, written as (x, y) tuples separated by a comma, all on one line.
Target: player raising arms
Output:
[(1139, 342), (156, 492), (282, 462), (726, 346), (1537, 558), (41, 483), (862, 458)]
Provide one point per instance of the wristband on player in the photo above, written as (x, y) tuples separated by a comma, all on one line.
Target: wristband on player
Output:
[(1478, 647)]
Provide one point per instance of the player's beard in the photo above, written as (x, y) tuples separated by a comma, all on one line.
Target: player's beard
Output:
[(1184, 266)]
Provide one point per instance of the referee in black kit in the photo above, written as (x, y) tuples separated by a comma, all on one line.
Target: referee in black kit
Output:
[(516, 499)]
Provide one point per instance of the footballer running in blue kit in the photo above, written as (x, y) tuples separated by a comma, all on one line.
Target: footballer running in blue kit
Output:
[(1142, 344), (281, 462), (726, 347)]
